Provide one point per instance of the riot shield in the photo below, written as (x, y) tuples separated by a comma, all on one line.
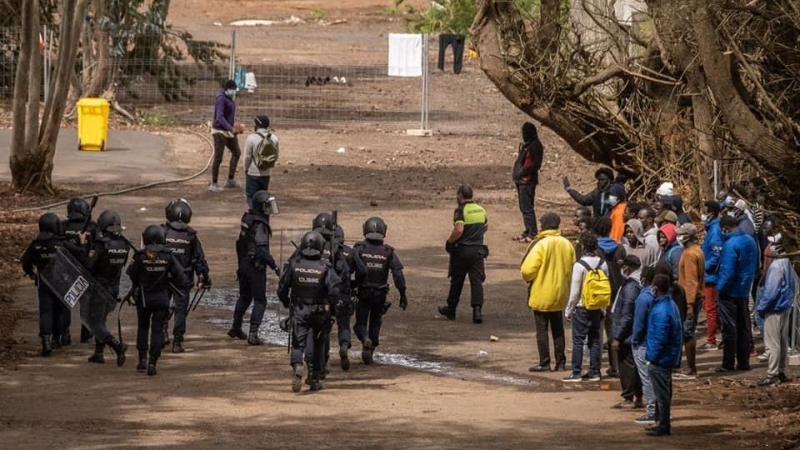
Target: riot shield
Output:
[(72, 283)]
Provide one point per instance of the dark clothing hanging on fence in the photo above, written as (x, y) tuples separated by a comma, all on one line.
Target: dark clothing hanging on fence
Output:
[(457, 41)]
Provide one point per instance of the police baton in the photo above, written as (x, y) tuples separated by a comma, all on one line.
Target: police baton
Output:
[(198, 295)]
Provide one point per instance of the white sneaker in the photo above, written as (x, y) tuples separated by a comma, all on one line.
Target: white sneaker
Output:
[(763, 357), (214, 187)]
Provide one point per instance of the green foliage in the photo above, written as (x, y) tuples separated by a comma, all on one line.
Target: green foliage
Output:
[(456, 16), (318, 14), (158, 120)]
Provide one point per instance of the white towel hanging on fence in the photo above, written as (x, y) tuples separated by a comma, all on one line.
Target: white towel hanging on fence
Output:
[(405, 55)]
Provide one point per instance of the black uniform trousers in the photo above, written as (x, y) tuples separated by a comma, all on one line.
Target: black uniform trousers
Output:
[(152, 310), (734, 320), (49, 309), (309, 323), (457, 41), (180, 305), (343, 332), (103, 336), (252, 289), (467, 260), (369, 314), (628, 374)]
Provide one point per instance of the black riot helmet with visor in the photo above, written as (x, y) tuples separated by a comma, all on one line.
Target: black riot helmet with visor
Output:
[(178, 210), (110, 223), (264, 203), (311, 244), (375, 229)]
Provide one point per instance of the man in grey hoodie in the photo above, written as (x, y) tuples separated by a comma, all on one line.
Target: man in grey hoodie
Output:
[(635, 243)]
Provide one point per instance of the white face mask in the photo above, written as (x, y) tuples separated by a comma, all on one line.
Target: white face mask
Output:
[(612, 200), (230, 92), (732, 213), (704, 218), (774, 239)]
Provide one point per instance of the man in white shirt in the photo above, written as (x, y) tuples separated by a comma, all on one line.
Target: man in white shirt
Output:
[(257, 179)]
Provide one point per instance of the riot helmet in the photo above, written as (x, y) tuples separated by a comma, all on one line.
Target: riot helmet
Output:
[(110, 223), (179, 210), (311, 244), (375, 229), (153, 237), (265, 203), (323, 224), (338, 234), (78, 209), (50, 223)]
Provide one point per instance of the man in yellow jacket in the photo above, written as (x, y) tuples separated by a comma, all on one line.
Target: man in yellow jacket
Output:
[(547, 267)]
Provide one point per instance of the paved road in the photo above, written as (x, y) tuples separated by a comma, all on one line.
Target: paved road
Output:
[(132, 157)]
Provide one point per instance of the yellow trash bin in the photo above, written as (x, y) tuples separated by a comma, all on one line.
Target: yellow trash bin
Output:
[(92, 124)]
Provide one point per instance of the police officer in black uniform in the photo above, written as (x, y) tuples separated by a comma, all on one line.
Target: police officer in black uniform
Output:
[(78, 221), (307, 287), (182, 240), (34, 260), (344, 306), (106, 262), (252, 250), (153, 269), (373, 261)]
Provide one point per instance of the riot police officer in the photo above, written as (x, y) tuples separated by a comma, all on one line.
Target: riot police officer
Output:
[(153, 269), (306, 288), (79, 220), (106, 261), (182, 240), (34, 260), (252, 250), (344, 306), (373, 261)]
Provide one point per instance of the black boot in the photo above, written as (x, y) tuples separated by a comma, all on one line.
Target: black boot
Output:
[(297, 377), (316, 384), (236, 331), (47, 347), (344, 356), (97, 357), (366, 351), (55, 342), (66, 340), (477, 317), (151, 366), (166, 340), (142, 366), (253, 339), (177, 344), (447, 312), (119, 349), (86, 335)]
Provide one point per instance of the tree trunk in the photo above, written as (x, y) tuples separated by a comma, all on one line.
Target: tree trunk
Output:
[(22, 152)]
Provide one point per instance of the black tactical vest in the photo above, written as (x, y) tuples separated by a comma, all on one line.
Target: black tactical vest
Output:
[(44, 249), (308, 281), (246, 244), (109, 270), (376, 257), (180, 243), (154, 274)]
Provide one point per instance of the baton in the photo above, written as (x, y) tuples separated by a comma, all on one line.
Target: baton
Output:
[(198, 295)]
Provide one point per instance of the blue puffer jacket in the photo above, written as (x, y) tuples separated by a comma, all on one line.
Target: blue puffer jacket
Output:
[(640, 314), (780, 288), (738, 263), (624, 308), (712, 247), (664, 333)]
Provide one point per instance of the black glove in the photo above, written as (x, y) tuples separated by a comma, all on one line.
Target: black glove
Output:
[(449, 247), (403, 302), (566, 183), (205, 280), (386, 305), (277, 271)]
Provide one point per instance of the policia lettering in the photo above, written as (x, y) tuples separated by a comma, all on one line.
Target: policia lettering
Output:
[(467, 253), (373, 260), (182, 240), (307, 287), (252, 251)]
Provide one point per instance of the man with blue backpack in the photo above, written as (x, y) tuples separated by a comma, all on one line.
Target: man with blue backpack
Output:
[(260, 155)]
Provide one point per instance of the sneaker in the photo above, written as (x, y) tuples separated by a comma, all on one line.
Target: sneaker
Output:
[(214, 187), (625, 404), (447, 312), (680, 376), (768, 381), (539, 368), (784, 378), (591, 377), (574, 378), (764, 357), (721, 369), (658, 431), (231, 184), (646, 419), (560, 368), (612, 373), (707, 347)]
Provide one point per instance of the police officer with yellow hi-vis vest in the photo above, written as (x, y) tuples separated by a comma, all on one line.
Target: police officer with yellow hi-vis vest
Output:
[(467, 252)]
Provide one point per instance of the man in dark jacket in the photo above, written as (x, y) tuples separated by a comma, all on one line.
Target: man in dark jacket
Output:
[(611, 252), (598, 198), (224, 130), (623, 329), (526, 176), (664, 342), (737, 268), (712, 247)]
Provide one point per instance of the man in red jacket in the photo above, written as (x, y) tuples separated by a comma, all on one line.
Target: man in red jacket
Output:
[(526, 176)]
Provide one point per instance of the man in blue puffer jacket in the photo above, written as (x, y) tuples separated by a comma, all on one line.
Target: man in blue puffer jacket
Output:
[(780, 289), (664, 343), (712, 247), (737, 267)]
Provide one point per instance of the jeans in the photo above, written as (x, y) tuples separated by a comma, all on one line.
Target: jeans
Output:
[(644, 375), (467, 260), (735, 323), (586, 329), (555, 321), (252, 185), (776, 340), (662, 388), (628, 374), (710, 307), (220, 142), (526, 194)]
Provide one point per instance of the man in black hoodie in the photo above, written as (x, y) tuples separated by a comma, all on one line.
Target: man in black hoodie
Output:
[(598, 198), (526, 176)]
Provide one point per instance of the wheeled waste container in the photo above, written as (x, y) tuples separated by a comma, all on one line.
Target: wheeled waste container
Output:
[(92, 124)]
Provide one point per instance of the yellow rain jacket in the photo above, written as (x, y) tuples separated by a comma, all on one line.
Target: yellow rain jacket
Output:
[(547, 267)]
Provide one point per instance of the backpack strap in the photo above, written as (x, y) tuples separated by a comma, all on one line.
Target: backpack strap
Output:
[(586, 265), (599, 264)]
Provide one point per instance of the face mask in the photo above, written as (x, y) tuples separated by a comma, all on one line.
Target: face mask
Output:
[(612, 200), (230, 92), (732, 213), (704, 218), (774, 239)]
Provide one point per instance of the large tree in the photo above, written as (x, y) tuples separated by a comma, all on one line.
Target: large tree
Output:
[(657, 89)]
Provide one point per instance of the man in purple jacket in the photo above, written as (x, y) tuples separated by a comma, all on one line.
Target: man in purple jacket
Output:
[(224, 130)]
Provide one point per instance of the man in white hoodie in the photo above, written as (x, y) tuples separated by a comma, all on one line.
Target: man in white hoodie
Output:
[(257, 179)]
